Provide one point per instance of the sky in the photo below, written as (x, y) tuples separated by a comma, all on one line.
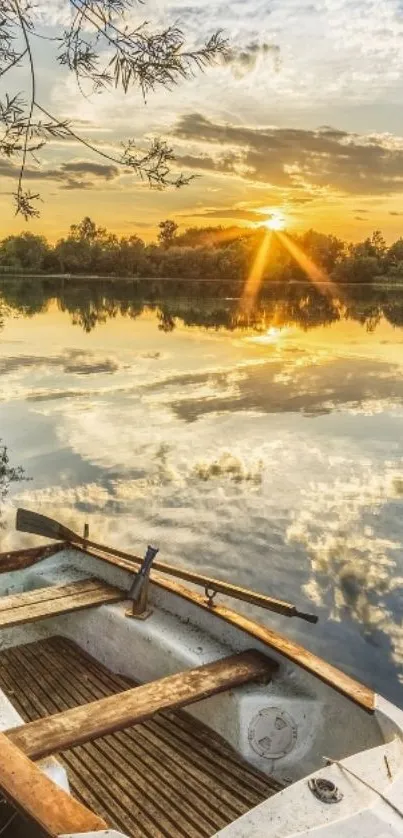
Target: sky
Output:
[(304, 119)]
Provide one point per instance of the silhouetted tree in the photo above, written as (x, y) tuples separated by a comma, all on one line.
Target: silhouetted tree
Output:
[(25, 251), (167, 233)]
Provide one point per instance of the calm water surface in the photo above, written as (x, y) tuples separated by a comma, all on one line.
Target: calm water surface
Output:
[(270, 455)]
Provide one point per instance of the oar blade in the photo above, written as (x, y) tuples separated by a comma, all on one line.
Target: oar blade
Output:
[(37, 524)]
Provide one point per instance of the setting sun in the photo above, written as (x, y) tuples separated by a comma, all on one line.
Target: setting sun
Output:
[(275, 222)]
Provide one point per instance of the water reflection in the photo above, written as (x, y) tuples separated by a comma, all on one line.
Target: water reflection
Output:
[(92, 303), (264, 448)]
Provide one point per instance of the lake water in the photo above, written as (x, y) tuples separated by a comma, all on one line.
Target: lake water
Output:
[(266, 450)]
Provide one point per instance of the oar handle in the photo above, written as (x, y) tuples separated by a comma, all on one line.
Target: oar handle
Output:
[(310, 618), (32, 522)]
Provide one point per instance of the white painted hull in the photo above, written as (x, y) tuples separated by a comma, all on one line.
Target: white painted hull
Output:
[(284, 729)]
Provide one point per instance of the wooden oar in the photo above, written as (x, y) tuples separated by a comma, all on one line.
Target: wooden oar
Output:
[(33, 522)]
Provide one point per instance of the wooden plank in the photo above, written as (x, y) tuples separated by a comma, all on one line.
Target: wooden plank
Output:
[(20, 559), (39, 799), (50, 592), (99, 718), (99, 595), (344, 684)]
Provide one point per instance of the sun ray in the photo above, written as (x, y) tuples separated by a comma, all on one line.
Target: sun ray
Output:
[(317, 275), (255, 277), (226, 234)]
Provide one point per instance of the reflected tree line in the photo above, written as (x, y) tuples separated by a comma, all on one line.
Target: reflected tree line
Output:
[(305, 305)]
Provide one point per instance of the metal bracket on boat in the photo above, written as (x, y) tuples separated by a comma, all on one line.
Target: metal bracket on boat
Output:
[(139, 590), (325, 790), (210, 593)]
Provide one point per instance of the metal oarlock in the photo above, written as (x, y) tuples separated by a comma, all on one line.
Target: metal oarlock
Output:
[(139, 590)]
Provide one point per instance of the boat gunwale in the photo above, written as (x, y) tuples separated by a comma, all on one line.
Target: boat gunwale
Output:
[(335, 678)]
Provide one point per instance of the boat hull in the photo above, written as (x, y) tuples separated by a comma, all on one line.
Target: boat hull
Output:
[(283, 729)]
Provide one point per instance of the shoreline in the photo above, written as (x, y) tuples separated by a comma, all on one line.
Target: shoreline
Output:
[(386, 283)]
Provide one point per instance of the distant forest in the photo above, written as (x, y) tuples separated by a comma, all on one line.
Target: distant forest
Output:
[(200, 253)]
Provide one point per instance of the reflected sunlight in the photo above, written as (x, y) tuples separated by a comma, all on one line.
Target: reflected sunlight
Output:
[(272, 335)]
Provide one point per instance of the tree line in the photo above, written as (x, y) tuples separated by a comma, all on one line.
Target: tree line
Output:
[(199, 253)]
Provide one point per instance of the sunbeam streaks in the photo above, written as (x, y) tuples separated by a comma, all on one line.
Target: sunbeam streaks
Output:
[(317, 275), (261, 269), (255, 278)]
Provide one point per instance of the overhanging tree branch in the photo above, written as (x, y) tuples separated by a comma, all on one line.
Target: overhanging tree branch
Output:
[(102, 50)]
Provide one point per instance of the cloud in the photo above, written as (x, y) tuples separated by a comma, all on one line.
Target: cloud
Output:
[(55, 395), (107, 171), (395, 213), (243, 60), (275, 387), (72, 361), (232, 212), (226, 465), (292, 157), (192, 161), (76, 174)]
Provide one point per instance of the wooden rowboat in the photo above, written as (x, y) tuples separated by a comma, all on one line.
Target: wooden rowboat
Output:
[(131, 705)]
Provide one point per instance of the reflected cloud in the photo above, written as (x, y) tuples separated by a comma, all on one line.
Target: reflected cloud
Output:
[(231, 467), (353, 565), (312, 385), (71, 361)]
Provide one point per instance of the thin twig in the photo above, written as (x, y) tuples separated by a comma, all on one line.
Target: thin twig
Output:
[(10, 66), (32, 102)]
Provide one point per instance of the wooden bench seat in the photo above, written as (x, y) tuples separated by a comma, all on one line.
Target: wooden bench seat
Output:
[(98, 718), (52, 600), (169, 776)]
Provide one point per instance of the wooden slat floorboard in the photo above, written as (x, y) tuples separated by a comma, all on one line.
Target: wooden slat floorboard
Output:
[(169, 777), (95, 719)]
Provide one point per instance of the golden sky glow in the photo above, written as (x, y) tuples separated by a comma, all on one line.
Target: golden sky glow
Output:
[(264, 138)]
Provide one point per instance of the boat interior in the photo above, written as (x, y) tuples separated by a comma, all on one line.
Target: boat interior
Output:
[(107, 724), (166, 775)]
